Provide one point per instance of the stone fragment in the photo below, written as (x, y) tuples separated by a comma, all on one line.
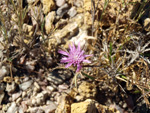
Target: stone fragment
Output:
[(72, 12), (49, 19), (88, 106), (37, 85), (28, 29), (50, 107), (111, 109), (38, 100), (18, 101), (26, 85), (10, 88), (30, 65), (59, 3), (62, 10), (64, 104), (24, 94), (66, 32), (36, 15), (16, 96), (58, 76), (12, 108), (62, 87), (86, 90), (50, 88), (82, 38), (3, 72), (35, 110), (48, 5), (78, 3)]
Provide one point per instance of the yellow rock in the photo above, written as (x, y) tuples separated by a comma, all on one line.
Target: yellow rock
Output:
[(48, 5), (49, 19), (88, 106)]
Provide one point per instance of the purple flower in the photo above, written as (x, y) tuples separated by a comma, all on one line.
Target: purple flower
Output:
[(74, 57)]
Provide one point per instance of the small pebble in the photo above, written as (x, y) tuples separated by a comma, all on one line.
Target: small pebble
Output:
[(50, 88), (62, 10), (33, 101), (18, 100), (10, 88), (59, 3), (36, 85), (12, 108), (24, 94), (16, 96), (26, 85), (72, 12), (124, 105)]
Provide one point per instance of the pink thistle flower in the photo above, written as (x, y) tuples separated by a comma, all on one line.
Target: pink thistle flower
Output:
[(75, 57)]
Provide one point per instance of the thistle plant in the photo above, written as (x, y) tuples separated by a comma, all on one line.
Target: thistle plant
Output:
[(74, 57)]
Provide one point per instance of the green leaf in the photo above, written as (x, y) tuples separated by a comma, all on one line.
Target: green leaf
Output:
[(87, 75)]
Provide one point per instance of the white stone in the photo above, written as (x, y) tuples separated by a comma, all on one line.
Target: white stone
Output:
[(59, 3)]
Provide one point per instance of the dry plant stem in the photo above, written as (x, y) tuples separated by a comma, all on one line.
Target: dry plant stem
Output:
[(93, 15), (74, 80), (11, 71)]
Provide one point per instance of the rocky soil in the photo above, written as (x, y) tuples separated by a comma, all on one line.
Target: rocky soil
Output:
[(32, 79)]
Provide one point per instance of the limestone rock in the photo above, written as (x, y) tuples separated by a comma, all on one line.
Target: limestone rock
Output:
[(26, 85), (62, 10), (49, 19), (64, 104), (12, 108), (86, 90), (48, 5), (58, 76), (72, 11), (82, 38), (66, 32), (59, 3), (88, 106), (3, 72), (36, 15)]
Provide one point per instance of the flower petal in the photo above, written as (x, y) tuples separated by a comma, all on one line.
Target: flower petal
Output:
[(74, 48), (79, 48), (63, 52), (87, 55), (86, 61), (64, 60), (68, 65)]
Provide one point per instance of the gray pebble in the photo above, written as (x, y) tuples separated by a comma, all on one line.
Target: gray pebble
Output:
[(72, 12), (26, 85), (12, 108), (59, 3), (62, 10), (59, 76)]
